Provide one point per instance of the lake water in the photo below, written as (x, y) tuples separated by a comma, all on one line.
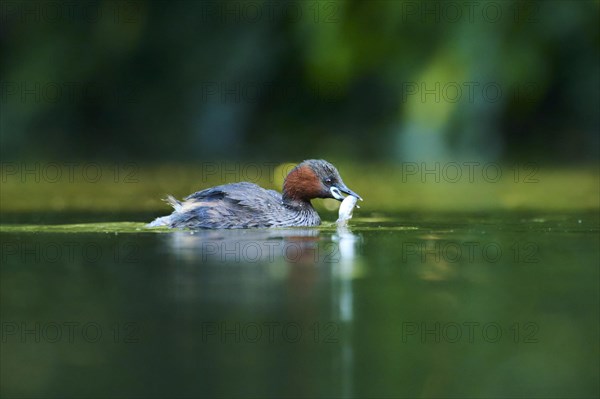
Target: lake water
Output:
[(402, 305)]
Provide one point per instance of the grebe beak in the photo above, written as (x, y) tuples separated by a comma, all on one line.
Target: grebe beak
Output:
[(337, 191)]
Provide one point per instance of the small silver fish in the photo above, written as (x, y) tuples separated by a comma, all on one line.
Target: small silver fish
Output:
[(346, 209)]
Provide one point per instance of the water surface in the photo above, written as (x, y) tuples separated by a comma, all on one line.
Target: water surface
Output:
[(398, 305)]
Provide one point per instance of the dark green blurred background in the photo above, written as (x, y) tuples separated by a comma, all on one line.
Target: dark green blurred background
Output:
[(374, 80)]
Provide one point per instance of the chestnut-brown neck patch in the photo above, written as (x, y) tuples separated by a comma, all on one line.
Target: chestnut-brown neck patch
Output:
[(302, 184)]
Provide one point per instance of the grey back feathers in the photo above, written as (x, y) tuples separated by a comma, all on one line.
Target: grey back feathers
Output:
[(237, 205)]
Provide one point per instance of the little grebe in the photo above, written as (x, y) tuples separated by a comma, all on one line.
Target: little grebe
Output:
[(245, 205)]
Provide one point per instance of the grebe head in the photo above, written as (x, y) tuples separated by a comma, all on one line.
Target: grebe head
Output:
[(315, 178)]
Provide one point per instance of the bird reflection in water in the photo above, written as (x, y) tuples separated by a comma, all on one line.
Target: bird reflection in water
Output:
[(304, 275), (294, 245)]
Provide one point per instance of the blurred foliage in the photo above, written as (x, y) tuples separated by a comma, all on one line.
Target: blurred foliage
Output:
[(386, 188), (189, 80)]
